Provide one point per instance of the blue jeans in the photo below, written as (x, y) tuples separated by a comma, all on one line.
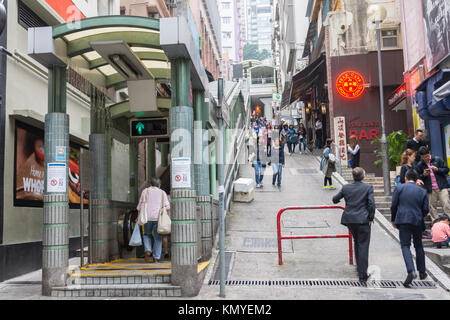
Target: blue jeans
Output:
[(443, 244), (406, 231), (277, 171), (259, 171), (300, 143), (148, 228)]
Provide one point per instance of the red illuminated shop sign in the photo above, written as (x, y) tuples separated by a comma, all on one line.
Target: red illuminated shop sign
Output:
[(350, 84), (364, 130)]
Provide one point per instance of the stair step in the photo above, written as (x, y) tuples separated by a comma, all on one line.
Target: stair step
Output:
[(383, 198), (119, 280), (130, 290), (439, 256)]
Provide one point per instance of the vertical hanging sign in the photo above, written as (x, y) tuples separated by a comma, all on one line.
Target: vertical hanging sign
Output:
[(340, 138)]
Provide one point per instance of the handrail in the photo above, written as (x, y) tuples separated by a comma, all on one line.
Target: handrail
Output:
[(279, 237), (233, 172)]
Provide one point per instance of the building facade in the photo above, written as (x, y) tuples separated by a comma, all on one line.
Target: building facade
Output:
[(341, 46), (257, 25)]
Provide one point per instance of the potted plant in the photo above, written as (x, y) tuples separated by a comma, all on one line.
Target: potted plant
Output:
[(396, 145)]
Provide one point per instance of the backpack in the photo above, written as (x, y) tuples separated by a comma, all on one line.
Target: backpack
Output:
[(397, 180), (282, 139)]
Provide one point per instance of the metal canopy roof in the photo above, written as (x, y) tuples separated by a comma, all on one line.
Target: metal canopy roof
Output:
[(107, 51), (73, 40)]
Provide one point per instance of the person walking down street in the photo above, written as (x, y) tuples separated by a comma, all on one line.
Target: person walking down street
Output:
[(258, 158), (284, 137), (433, 174), (301, 138), (328, 164), (358, 216), (291, 139), (409, 207), (416, 143), (319, 130), (277, 161), (440, 232), (269, 139), (408, 160), (355, 151), (156, 199)]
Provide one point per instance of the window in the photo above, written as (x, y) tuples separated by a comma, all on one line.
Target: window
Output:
[(227, 35), (226, 20), (226, 5), (389, 38)]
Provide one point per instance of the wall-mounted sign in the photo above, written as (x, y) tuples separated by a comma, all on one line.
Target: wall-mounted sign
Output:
[(181, 172), (350, 84), (397, 96)]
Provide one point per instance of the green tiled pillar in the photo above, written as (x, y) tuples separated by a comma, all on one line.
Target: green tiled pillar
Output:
[(184, 235), (55, 238), (100, 145), (201, 169)]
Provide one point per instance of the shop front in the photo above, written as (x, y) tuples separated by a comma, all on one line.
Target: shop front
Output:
[(356, 97)]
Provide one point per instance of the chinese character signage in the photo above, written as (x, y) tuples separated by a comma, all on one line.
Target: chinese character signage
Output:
[(340, 138), (350, 84)]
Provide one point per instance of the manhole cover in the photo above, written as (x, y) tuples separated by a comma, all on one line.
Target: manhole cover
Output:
[(264, 245)]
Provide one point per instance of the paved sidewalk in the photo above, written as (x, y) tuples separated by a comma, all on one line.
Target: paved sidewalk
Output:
[(251, 241)]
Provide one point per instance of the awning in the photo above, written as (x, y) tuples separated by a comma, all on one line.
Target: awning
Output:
[(433, 102), (304, 79)]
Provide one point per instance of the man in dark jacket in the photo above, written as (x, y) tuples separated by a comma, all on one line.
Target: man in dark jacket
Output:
[(409, 207), (358, 216), (417, 142), (433, 174)]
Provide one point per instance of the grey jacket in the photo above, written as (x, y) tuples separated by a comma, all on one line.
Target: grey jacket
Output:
[(359, 203)]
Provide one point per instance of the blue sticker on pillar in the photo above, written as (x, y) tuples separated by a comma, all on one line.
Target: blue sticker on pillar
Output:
[(61, 154)]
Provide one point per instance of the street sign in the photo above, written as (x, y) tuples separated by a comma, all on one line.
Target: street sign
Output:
[(149, 128), (276, 97)]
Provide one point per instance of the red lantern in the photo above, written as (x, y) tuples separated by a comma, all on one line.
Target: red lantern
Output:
[(350, 84)]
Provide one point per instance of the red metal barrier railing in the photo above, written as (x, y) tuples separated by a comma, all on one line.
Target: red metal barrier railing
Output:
[(349, 235)]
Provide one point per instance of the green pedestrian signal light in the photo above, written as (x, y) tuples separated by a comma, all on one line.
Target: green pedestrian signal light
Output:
[(140, 127), (149, 128)]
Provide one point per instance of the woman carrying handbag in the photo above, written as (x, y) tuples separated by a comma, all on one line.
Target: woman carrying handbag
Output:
[(153, 200)]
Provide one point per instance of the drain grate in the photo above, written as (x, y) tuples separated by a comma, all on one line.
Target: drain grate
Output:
[(327, 283)]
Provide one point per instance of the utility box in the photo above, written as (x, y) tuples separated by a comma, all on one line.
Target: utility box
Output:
[(243, 190)]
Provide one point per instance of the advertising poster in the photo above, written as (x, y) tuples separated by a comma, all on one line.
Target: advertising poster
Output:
[(29, 168), (436, 16)]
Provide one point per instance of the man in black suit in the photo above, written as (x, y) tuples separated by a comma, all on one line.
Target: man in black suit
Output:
[(358, 216), (409, 207), (416, 142)]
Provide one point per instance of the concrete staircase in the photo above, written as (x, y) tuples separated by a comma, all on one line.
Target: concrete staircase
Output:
[(118, 286), (383, 203)]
